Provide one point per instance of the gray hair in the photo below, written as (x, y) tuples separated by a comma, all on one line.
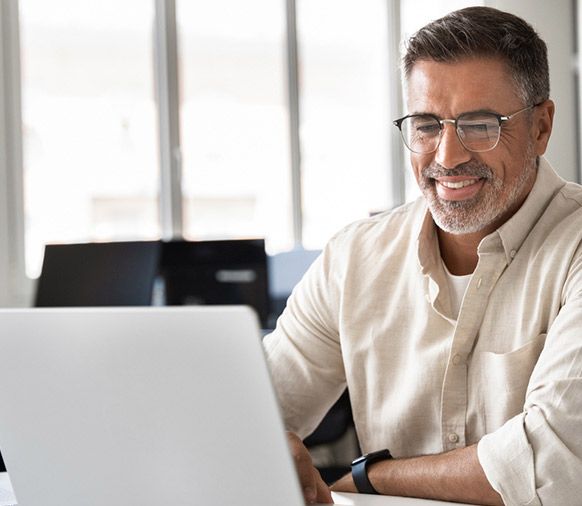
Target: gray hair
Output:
[(485, 32)]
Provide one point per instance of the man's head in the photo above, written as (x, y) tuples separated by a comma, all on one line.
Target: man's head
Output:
[(477, 60), (484, 32)]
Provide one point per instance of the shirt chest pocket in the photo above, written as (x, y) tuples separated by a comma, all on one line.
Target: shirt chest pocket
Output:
[(501, 381)]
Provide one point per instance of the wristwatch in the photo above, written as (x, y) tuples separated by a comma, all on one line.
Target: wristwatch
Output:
[(360, 470)]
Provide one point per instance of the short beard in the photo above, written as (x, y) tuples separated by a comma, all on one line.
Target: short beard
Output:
[(473, 215)]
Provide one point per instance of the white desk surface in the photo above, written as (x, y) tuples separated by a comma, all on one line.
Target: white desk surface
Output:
[(382, 500), (6, 494)]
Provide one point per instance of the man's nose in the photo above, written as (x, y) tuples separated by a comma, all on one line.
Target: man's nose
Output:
[(451, 151)]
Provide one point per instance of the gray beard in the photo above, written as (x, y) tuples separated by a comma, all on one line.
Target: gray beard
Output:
[(473, 215)]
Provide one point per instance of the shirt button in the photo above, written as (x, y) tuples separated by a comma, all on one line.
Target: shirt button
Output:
[(512, 253), (457, 359), (479, 281), (453, 438)]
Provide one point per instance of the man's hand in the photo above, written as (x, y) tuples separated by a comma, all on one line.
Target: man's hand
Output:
[(314, 488)]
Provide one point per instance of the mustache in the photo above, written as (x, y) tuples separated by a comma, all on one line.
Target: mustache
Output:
[(474, 169)]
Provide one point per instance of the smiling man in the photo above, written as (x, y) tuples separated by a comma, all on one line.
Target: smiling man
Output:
[(455, 321)]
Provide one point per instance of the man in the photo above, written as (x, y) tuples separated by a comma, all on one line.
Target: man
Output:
[(455, 321)]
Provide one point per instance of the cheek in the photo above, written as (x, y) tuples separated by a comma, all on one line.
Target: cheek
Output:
[(418, 163), (497, 164)]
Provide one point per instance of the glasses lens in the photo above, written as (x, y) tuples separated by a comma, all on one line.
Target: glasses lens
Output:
[(478, 131), (421, 133)]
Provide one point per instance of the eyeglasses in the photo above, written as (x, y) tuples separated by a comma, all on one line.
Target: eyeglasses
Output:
[(477, 131)]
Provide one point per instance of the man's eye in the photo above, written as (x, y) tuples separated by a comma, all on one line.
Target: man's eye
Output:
[(426, 128), (476, 127)]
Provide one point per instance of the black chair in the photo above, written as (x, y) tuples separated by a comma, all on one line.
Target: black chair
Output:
[(98, 274), (216, 272), (332, 428)]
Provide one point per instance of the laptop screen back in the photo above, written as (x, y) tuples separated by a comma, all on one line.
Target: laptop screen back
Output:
[(147, 406)]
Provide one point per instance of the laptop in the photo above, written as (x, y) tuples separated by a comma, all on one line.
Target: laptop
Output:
[(141, 406)]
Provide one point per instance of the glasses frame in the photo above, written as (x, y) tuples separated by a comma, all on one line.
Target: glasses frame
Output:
[(502, 119)]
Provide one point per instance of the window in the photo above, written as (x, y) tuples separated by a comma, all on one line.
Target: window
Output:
[(344, 113), (89, 122), (234, 121), (91, 148)]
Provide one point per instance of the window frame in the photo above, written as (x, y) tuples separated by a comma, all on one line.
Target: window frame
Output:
[(14, 285)]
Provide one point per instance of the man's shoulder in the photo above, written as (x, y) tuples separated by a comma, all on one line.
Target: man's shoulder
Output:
[(398, 223)]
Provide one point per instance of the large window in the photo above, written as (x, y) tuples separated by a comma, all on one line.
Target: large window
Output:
[(89, 122), (234, 121), (344, 113), (269, 146)]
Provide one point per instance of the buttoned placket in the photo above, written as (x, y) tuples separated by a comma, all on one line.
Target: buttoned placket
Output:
[(454, 395)]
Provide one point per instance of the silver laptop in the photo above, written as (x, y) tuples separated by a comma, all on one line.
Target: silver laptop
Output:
[(141, 406)]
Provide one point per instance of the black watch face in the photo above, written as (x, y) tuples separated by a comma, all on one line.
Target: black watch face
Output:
[(372, 457)]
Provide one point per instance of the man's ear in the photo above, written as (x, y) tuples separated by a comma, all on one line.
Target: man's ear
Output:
[(543, 119)]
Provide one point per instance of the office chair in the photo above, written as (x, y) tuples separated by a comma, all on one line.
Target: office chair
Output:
[(334, 426), (216, 272), (286, 270), (98, 274)]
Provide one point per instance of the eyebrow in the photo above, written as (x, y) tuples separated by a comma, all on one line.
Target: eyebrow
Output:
[(474, 111)]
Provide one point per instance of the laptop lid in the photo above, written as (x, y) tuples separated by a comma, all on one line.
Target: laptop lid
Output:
[(148, 406)]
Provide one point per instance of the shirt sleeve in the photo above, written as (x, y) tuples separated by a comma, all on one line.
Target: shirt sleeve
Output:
[(303, 352), (536, 457)]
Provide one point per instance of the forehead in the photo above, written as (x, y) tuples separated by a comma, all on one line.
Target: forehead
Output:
[(453, 88)]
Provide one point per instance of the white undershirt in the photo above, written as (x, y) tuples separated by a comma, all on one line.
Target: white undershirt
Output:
[(457, 287)]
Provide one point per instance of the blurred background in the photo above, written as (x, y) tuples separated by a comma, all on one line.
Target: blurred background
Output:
[(125, 120)]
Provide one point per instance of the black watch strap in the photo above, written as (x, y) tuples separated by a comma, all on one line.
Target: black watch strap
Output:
[(360, 470)]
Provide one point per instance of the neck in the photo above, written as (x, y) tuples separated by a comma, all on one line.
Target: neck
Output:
[(459, 252)]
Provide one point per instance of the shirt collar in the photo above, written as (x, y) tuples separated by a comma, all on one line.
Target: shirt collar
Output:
[(514, 231), (427, 244)]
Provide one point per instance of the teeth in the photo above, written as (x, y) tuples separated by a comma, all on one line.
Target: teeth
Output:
[(458, 184)]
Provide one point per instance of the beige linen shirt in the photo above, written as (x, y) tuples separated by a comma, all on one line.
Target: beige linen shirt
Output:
[(373, 313)]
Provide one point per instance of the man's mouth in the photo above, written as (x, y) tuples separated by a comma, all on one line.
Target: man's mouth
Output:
[(458, 184), (458, 187)]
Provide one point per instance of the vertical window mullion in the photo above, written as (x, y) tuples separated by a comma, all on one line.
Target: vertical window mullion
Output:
[(167, 98), (395, 104), (294, 121), (12, 277)]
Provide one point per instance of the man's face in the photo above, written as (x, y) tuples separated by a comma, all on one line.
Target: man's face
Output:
[(471, 192)]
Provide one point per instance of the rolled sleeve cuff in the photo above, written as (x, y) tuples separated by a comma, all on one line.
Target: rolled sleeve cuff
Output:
[(508, 462)]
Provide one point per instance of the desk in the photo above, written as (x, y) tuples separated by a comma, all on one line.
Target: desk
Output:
[(6, 494), (382, 500)]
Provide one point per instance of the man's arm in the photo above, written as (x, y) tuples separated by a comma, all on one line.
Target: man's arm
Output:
[(452, 476)]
